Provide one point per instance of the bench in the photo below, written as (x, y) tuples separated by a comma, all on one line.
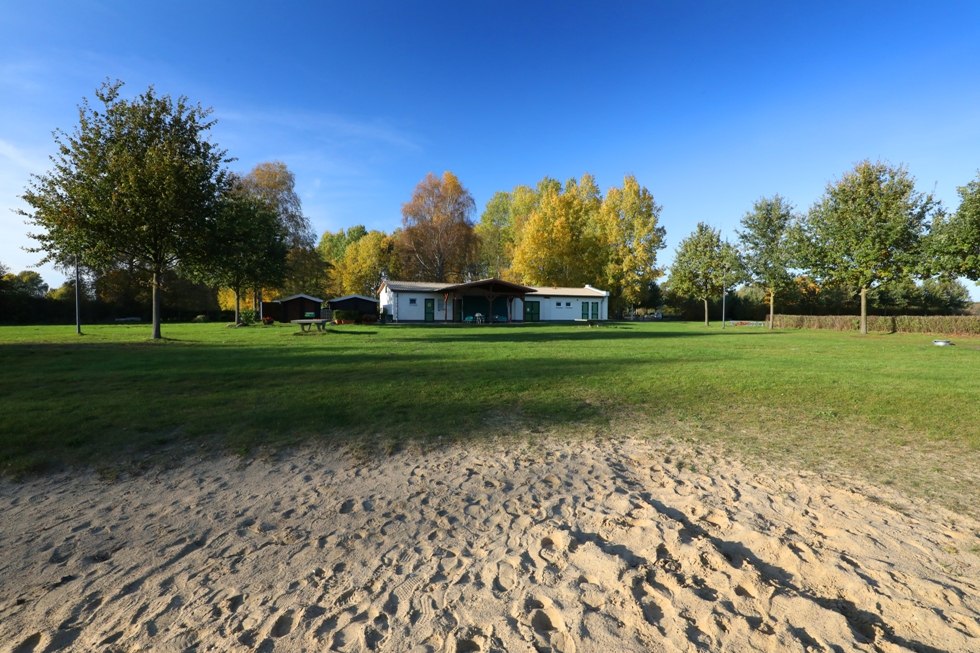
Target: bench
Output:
[(591, 323), (309, 323)]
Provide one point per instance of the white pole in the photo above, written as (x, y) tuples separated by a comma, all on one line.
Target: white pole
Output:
[(78, 299)]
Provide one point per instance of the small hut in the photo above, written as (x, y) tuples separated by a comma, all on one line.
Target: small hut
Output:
[(360, 303), (294, 307)]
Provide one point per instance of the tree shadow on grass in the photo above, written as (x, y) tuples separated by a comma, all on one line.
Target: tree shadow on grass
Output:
[(69, 405)]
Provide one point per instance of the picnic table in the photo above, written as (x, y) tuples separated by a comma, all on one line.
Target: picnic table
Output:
[(309, 323)]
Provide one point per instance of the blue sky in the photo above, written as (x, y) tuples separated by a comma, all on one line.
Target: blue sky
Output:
[(711, 105)]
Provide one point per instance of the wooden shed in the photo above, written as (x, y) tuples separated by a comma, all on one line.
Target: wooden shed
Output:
[(360, 303), (294, 307)]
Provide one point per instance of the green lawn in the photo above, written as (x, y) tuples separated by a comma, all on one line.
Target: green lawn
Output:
[(891, 408)]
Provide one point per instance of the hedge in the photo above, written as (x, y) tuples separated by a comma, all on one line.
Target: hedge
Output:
[(342, 316), (941, 324)]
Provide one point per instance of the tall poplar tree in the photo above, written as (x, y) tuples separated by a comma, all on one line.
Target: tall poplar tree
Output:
[(562, 242), (630, 223)]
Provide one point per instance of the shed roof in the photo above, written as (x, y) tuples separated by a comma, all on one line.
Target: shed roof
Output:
[(367, 299), (300, 296)]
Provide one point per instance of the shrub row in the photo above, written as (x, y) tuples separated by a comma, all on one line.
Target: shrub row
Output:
[(942, 324), (346, 317)]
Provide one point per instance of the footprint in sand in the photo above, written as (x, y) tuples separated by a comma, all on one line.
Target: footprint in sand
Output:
[(473, 640), (548, 626), (553, 549), (283, 625), (506, 576), (29, 645)]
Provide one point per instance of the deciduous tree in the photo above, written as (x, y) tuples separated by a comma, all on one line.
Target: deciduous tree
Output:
[(365, 263), (630, 224), (766, 246), (26, 282), (562, 241), (137, 181), (954, 241), (496, 236), (276, 185), (333, 244), (704, 266), (437, 241), (249, 244), (867, 229)]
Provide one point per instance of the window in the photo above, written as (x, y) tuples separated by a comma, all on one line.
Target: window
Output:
[(440, 305), (412, 301), (558, 304), (568, 304)]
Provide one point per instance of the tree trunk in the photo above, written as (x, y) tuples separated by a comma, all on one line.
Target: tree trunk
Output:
[(864, 311), (706, 312), (238, 307), (156, 306), (772, 308)]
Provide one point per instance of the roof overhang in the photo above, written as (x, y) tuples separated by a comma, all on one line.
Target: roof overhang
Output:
[(487, 287)]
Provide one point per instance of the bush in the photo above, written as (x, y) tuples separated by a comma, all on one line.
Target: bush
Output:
[(941, 324), (267, 320), (346, 317), (246, 317)]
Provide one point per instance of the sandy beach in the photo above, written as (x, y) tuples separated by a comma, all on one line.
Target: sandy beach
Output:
[(595, 545)]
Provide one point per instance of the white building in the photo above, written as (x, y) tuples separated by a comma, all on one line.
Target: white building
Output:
[(490, 300)]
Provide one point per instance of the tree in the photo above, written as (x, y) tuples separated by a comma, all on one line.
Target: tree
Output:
[(437, 241), (276, 185), (26, 282), (704, 266), (496, 236), (954, 242), (562, 241), (630, 218), (306, 272), (333, 244), (366, 263), (766, 246), (137, 181), (867, 229), (945, 296), (251, 244)]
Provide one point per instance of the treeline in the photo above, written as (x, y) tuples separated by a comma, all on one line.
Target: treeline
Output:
[(870, 236), (552, 234), (140, 201)]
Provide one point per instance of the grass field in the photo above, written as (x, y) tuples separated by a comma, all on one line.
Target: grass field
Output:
[(893, 409)]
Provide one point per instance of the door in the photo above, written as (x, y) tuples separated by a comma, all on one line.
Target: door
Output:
[(532, 311), (430, 310), (595, 310), (585, 310)]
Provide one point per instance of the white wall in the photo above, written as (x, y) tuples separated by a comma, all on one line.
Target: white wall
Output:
[(400, 305), (556, 308)]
